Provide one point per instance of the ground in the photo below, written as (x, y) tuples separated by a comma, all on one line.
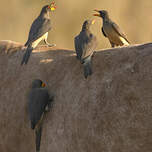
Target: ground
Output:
[(108, 112)]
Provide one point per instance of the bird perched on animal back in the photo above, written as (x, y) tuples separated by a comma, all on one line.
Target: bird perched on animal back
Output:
[(85, 44), (39, 101), (111, 30), (39, 31)]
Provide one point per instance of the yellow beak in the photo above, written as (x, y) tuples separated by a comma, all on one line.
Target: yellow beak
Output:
[(52, 8), (93, 21), (43, 85)]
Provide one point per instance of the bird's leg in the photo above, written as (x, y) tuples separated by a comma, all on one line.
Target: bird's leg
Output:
[(93, 54), (48, 44), (50, 104), (48, 107), (82, 61)]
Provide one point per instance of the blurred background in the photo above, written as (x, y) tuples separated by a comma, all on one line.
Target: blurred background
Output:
[(133, 16)]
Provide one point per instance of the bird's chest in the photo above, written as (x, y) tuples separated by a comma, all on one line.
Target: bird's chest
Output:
[(107, 28), (109, 31)]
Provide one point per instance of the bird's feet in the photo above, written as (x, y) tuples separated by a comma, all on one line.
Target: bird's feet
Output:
[(50, 104), (47, 108), (93, 54), (82, 61), (50, 45)]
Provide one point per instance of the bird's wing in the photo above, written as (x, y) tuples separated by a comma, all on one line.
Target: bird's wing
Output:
[(38, 100), (103, 32), (78, 47), (85, 44), (88, 45), (119, 32), (39, 27)]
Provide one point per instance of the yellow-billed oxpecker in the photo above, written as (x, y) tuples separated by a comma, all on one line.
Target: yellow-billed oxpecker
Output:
[(39, 102), (111, 30), (85, 44), (39, 31)]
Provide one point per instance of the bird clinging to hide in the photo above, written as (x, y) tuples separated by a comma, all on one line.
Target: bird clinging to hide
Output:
[(85, 44), (39, 102), (39, 31)]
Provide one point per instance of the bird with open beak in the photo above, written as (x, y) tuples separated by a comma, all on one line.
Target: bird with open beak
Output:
[(39, 31), (111, 30)]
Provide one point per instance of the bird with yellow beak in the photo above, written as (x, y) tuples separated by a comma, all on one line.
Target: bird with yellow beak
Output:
[(39, 31), (85, 44)]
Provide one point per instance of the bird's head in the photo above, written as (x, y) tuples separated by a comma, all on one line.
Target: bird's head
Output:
[(52, 6), (47, 8), (102, 13), (87, 24), (37, 83)]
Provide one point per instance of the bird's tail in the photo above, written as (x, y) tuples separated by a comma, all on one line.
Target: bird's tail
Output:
[(38, 133), (27, 55), (124, 41), (87, 66)]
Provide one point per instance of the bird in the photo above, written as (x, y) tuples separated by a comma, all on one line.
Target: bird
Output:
[(39, 31), (85, 44), (39, 103), (111, 30)]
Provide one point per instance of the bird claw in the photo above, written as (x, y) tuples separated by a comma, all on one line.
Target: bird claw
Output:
[(47, 109), (94, 54), (51, 45), (48, 45), (49, 106), (82, 61)]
